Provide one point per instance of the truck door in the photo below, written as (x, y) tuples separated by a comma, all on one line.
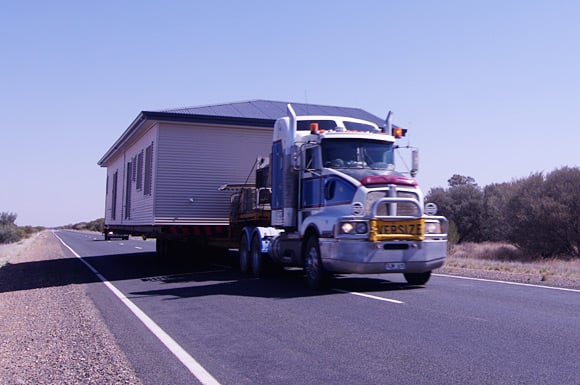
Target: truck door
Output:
[(311, 183)]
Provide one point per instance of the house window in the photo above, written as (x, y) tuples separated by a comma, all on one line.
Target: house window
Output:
[(140, 171), (114, 197), (134, 168), (128, 191), (148, 183)]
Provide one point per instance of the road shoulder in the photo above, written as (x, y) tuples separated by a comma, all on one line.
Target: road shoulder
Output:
[(50, 331)]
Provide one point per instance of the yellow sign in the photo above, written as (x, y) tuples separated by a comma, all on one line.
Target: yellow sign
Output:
[(410, 230)]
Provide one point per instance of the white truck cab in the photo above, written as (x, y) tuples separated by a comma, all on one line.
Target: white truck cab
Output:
[(339, 206)]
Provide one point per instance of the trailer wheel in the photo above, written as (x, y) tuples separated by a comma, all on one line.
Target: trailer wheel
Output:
[(417, 278), (244, 255), (315, 274), (258, 259)]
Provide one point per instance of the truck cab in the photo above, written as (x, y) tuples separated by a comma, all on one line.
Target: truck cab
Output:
[(338, 205)]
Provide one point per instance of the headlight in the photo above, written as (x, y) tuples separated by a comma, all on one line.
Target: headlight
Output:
[(361, 227), (346, 228), (432, 228), (354, 228)]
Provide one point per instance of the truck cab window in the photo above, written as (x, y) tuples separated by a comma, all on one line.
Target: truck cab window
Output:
[(348, 153), (327, 125)]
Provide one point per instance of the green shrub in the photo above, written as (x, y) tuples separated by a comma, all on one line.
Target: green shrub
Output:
[(11, 233), (537, 214)]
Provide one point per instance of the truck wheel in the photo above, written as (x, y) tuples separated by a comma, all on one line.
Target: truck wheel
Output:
[(258, 262), (315, 274), (161, 248), (244, 255), (417, 278)]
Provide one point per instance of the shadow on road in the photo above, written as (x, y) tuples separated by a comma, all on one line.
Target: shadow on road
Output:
[(44, 274), (54, 271), (283, 285), (178, 278)]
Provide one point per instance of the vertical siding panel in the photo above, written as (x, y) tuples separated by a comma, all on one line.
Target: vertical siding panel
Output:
[(116, 167), (194, 161), (141, 206)]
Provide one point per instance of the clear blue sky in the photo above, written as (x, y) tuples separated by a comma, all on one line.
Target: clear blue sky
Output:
[(488, 89)]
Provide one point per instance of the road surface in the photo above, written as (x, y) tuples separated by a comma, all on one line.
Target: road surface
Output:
[(182, 324)]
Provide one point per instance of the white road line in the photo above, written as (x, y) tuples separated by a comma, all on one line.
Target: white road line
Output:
[(369, 296), (509, 283), (183, 356)]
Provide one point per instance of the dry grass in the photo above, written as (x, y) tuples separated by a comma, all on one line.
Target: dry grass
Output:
[(11, 250), (505, 261)]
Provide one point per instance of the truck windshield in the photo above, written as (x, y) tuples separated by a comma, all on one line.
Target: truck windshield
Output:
[(357, 153)]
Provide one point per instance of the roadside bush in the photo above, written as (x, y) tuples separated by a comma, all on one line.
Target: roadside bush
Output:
[(539, 214), (8, 219), (10, 234), (462, 204), (497, 251), (95, 225), (545, 214)]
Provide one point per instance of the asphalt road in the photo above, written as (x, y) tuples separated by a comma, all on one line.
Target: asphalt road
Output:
[(363, 330)]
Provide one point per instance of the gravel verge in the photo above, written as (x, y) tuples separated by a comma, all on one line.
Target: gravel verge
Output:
[(50, 331), (561, 281)]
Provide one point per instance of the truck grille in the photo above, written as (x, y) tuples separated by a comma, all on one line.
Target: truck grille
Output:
[(402, 208)]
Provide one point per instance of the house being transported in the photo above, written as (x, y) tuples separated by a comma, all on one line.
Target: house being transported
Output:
[(164, 172)]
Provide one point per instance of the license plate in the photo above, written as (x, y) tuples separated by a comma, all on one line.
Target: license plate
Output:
[(397, 230), (394, 266)]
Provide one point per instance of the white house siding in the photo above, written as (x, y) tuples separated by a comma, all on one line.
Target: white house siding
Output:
[(140, 210), (141, 204), (194, 160), (113, 201)]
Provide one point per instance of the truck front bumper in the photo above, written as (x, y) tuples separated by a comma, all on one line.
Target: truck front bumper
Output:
[(364, 257)]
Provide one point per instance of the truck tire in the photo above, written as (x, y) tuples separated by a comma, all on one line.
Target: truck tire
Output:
[(417, 278), (162, 248), (258, 259), (315, 274), (244, 254)]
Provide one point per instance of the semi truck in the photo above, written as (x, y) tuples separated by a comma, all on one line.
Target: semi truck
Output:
[(324, 196)]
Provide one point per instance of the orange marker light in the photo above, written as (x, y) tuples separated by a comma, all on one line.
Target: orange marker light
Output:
[(399, 132)]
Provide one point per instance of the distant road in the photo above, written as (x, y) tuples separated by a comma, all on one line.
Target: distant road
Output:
[(364, 330)]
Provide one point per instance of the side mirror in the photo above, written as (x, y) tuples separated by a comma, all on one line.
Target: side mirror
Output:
[(415, 162)]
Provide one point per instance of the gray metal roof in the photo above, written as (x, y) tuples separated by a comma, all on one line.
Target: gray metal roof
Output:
[(269, 110), (258, 113)]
